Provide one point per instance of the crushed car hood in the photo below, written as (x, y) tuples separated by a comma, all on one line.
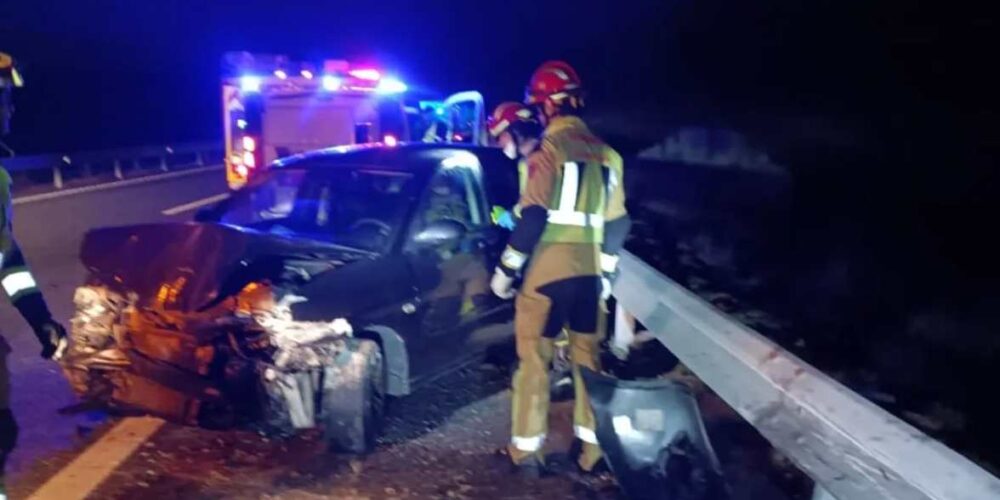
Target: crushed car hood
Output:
[(188, 266)]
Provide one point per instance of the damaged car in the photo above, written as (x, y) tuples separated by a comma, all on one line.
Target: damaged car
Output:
[(336, 279)]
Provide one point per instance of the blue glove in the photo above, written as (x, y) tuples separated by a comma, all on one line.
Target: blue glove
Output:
[(506, 220)]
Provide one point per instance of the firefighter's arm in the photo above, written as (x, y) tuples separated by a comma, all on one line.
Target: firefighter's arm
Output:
[(618, 223), (534, 211), (19, 284)]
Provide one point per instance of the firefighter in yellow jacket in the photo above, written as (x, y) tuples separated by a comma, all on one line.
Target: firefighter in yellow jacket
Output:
[(573, 223), (17, 282)]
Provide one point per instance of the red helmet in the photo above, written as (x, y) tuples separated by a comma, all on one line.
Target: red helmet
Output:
[(554, 80), (507, 113)]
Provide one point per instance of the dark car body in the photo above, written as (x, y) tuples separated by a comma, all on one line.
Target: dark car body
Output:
[(396, 241)]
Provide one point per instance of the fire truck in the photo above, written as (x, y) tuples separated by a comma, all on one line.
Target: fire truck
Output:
[(275, 107)]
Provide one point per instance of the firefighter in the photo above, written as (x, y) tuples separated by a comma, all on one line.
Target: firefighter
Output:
[(18, 283), (514, 128), (573, 223)]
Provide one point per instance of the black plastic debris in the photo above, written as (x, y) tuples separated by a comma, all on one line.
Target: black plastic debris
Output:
[(654, 440)]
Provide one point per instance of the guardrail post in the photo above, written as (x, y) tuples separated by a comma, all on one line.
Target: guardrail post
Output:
[(118, 169), (57, 178), (163, 163), (199, 160)]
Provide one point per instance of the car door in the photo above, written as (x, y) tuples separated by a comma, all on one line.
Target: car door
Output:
[(453, 278)]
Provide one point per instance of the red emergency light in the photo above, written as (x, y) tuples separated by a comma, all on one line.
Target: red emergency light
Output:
[(368, 74)]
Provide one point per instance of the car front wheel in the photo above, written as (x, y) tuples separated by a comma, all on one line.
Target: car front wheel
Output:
[(354, 405)]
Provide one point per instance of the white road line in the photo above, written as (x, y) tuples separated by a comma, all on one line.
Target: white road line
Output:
[(84, 474), (195, 204), (111, 185)]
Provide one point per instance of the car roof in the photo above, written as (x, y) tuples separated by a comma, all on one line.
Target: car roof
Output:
[(409, 157)]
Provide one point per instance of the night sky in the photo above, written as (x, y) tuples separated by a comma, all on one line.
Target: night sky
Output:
[(106, 73)]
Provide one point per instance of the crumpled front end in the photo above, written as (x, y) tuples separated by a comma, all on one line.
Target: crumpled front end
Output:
[(245, 360)]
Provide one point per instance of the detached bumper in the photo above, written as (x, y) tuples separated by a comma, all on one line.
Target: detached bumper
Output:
[(654, 439)]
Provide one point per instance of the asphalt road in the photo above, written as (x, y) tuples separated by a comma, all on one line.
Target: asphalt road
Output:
[(49, 232), (439, 442)]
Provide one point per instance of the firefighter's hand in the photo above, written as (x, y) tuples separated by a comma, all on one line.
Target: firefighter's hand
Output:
[(53, 338), (502, 284), (506, 220)]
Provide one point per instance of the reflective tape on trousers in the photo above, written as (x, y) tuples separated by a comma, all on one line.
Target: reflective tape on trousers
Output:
[(529, 444)]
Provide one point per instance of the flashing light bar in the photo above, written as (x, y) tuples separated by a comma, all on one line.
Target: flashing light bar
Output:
[(331, 83), (390, 85), (371, 75), (251, 83)]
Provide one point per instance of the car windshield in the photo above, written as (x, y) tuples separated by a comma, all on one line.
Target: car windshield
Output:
[(357, 207)]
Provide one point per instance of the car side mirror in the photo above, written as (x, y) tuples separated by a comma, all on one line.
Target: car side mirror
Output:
[(440, 233)]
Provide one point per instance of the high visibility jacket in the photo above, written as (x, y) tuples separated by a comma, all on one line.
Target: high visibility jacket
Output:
[(522, 182), (574, 187), (15, 277)]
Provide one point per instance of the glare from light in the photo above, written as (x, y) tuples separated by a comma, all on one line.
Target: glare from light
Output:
[(250, 83), (391, 85), (280, 73), (390, 140), (331, 83), (249, 160), (439, 111), (308, 75), (241, 123), (241, 170), (461, 159), (249, 144), (369, 74)]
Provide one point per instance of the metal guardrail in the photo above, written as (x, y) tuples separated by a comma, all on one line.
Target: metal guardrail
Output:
[(851, 448), (117, 161)]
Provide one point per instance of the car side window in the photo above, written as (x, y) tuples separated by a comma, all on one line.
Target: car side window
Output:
[(446, 198)]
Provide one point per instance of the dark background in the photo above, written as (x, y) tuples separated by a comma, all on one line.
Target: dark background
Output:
[(884, 113), (112, 73)]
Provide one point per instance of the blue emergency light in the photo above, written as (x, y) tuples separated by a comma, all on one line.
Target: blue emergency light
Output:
[(251, 83)]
